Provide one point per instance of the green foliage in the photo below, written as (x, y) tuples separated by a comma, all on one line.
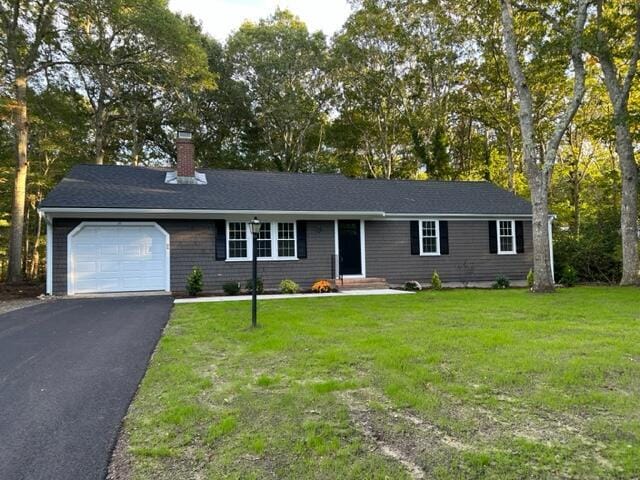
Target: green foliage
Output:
[(436, 283), (289, 286), (594, 254), (530, 279), (259, 286), (501, 282), (194, 282), (231, 288), (569, 277)]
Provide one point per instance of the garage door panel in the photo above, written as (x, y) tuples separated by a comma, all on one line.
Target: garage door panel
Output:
[(113, 258)]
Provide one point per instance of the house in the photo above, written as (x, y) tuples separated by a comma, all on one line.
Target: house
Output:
[(117, 228)]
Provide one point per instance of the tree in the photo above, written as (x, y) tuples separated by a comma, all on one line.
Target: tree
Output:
[(28, 35), (611, 48), (539, 162), (138, 65), (281, 65)]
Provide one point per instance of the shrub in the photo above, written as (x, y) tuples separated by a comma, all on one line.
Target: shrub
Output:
[(194, 282), (289, 286), (436, 283), (569, 276), (231, 288), (321, 286), (530, 278), (259, 285), (413, 286), (501, 282)]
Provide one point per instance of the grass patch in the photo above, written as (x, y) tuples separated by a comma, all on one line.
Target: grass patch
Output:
[(451, 384)]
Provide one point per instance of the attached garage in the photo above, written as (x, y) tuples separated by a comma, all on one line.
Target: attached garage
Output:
[(106, 257)]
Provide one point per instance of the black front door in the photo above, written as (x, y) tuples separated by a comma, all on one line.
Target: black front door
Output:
[(349, 247)]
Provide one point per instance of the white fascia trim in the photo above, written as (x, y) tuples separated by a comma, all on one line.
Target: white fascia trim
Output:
[(453, 216), (298, 213), (81, 225)]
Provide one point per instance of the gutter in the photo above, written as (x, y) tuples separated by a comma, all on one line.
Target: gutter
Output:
[(203, 213)]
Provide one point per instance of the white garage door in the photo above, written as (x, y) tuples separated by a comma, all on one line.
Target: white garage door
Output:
[(118, 258)]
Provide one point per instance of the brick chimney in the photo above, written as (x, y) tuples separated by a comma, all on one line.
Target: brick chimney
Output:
[(186, 155)]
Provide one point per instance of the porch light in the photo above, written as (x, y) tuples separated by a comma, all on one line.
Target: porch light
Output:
[(254, 225)]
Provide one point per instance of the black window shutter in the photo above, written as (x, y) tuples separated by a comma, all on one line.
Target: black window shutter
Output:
[(444, 238), (415, 238), (221, 240), (519, 237), (493, 237), (301, 236)]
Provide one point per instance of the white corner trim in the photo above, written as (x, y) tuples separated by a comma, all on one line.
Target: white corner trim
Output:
[(553, 274), (49, 289), (336, 249), (363, 255), (81, 225)]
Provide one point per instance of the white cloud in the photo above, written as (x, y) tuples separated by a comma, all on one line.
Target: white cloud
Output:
[(220, 17)]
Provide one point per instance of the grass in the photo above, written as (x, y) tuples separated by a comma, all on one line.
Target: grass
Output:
[(449, 384)]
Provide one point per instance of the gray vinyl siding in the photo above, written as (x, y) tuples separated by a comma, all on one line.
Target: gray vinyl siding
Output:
[(388, 255), (193, 244), (388, 252)]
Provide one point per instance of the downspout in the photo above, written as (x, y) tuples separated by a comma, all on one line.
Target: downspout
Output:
[(551, 219)]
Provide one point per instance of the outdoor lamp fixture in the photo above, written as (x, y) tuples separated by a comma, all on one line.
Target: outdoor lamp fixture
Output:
[(254, 225)]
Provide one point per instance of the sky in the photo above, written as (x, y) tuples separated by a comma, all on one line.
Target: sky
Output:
[(220, 17)]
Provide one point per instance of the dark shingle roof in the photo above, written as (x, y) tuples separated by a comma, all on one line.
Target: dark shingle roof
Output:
[(113, 186)]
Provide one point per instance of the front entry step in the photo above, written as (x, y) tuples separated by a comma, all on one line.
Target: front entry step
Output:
[(371, 283)]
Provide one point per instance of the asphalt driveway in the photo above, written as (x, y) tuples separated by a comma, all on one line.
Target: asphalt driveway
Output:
[(68, 371)]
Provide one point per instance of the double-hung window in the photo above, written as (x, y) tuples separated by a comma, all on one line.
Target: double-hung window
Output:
[(237, 235), (275, 241), (286, 239), (506, 237), (429, 237)]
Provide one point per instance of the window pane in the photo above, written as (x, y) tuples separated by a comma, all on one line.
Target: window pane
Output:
[(286, 239), (506, 244), (264, 240), (429, 245), (429, 237), (237, 240)]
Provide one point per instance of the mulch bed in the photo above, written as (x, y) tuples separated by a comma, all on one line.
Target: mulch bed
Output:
[(16, 292)]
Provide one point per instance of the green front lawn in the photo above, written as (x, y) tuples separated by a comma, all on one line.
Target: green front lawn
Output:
[(450, 384)]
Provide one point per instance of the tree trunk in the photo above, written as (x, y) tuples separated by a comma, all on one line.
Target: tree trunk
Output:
[(35, 256), (628, 203), (99, 127), (510, 164), (543, 276), (14, 274)]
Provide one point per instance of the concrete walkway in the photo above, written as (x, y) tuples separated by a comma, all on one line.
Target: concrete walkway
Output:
[(280, 296)]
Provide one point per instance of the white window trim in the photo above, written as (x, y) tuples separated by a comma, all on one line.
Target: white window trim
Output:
[(513, 250), (274, 242), (421, 236)]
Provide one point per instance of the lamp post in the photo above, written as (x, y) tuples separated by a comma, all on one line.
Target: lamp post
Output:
[(254, 225)]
